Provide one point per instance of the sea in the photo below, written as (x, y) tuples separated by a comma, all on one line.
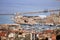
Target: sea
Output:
[(6, 19)]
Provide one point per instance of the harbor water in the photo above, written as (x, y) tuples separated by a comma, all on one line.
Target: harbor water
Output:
[(7, 19)]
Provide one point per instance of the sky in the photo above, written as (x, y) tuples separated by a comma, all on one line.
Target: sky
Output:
[(13, 6)]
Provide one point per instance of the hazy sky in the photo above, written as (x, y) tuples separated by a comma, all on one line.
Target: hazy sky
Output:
[(12, 6)]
